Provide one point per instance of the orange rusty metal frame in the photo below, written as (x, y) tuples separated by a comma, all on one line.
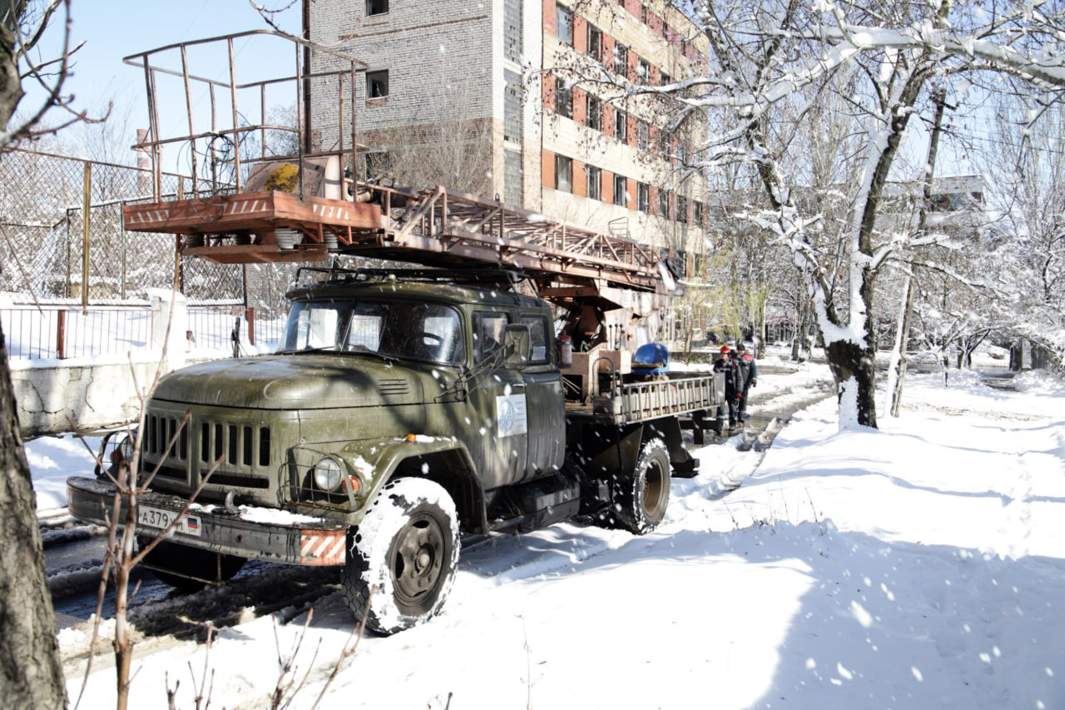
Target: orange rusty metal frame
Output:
[(154, 146)]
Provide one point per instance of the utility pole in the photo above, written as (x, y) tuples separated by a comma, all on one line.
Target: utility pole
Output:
[(897, 368)]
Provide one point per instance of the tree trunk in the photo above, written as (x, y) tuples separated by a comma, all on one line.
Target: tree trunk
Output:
[(30, 672), (854, 369), (897, 368)]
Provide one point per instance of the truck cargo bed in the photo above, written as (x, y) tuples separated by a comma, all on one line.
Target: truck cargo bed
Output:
[(634, 402)]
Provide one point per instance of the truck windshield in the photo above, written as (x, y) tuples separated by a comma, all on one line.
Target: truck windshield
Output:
[(416, 331)]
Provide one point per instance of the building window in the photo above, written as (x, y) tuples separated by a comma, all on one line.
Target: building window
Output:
[(663, 204), (595, 113), (697, 212), (563, 99), (563, 173), (621, 125), (643, 70), (621, 190), (643, 197), (376, 7), (682, 209), (377, 84), (564, 20), (595, 183), (621, 60), (665, 30), (644, 13), (643, 135), (665, 79), (595, 43)]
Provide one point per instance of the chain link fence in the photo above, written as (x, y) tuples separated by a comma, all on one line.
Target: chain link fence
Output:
[(42, 239)]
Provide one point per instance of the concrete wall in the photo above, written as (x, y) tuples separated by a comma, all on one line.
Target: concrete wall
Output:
[(95, 393)]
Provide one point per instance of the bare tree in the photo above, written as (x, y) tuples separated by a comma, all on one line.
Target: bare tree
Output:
[(772, 64), (30, 672)]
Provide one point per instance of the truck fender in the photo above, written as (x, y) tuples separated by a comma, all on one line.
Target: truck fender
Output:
[(442, 459)]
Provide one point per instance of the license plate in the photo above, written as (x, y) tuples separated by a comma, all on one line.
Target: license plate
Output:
[(161, 519)]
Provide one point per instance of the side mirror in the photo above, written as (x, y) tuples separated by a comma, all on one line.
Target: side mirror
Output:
[(517, 346)]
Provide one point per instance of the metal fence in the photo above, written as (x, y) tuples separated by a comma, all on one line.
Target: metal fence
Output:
[(48, 248), (63, 330)]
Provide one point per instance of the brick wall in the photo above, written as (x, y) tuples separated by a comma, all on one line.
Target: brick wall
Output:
[(438, 56)]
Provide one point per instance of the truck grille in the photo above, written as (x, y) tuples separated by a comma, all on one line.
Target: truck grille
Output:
[(243, 451)]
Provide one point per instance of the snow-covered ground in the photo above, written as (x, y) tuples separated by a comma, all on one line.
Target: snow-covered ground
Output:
[(53, 460), (916, 567)]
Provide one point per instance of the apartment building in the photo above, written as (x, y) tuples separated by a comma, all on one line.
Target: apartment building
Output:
[(520, 100)]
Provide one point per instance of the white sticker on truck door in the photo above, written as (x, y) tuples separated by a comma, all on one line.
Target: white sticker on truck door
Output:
[(511, 418)]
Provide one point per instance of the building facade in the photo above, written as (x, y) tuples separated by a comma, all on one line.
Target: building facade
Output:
[(530, 102)]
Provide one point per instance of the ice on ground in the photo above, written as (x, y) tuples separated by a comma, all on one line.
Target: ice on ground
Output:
[(920, 566)]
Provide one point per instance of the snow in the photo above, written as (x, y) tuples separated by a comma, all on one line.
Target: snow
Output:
[(273, 516), (918, 566), (52, 460)]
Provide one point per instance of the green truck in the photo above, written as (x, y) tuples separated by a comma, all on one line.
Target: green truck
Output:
[(403, 412)]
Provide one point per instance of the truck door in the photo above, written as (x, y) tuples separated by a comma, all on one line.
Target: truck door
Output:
[(543, 394), (499, 405)]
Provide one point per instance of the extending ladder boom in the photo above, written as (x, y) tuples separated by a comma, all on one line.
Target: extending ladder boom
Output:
[(430, 227)]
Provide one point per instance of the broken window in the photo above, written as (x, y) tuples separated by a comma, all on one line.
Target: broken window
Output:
[(377, 84), (595, 183), (563, 173), (563, 98), (595, 113), (621, 190), (376, 7), (564, 20)]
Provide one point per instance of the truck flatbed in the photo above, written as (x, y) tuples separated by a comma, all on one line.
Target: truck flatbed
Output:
[(635, 402)]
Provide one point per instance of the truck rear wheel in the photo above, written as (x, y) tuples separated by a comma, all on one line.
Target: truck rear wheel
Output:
[(640, 500), (186, 568), (402, 557)]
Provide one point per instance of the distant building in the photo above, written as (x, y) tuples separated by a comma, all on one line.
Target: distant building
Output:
[(483, 94)]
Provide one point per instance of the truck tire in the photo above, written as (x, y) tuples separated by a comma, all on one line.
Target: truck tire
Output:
[(402, 557), (641, 499), (175, 564)]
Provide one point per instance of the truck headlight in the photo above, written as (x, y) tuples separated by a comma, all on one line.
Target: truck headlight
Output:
[(327, 474)]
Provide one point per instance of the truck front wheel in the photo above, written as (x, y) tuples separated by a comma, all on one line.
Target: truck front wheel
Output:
[(402, 557), (640, 500)]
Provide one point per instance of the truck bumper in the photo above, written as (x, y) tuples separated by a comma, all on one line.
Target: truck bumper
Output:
[(216, 529)]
